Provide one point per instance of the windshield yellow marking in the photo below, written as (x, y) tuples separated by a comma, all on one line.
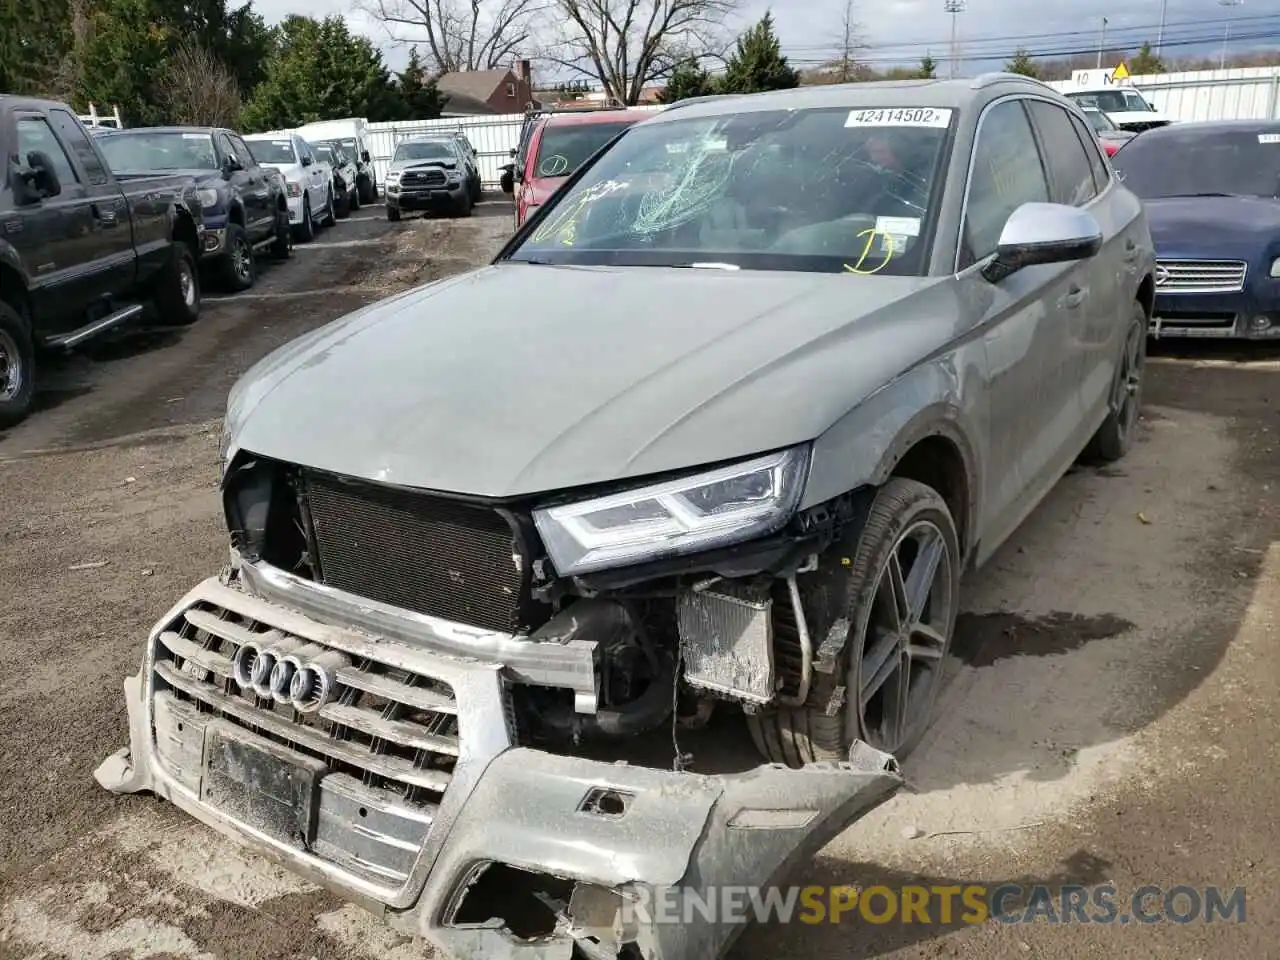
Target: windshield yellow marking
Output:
[(891, 248)]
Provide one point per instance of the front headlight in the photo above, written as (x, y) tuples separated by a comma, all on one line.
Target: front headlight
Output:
[(1275, 267), (208, 197), (455, 177), (392, 177), (697, 513)]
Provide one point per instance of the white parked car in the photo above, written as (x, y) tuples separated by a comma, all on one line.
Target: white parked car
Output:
[(345, 175), (309, 179)]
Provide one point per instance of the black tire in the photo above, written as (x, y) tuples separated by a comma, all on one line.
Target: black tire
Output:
[(236, 265), (463, 208), (1116, 435), (306, 231), (477, 190), (507, 182), (342, 208), (355, 199), (17, 367), (282, 244), (832, 716), (177, 293), (393, 213), (364, 187), (327, 217)]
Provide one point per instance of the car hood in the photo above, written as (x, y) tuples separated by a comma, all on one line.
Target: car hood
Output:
[(285, 169), (420, 165), (540, 189), (1236, 228), (518, 379)]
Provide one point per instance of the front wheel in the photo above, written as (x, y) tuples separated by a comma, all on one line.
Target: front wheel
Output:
[(177, 295), (307, 228), (1116, 435), (355, 199), (17, 367), (282, 243), (897, 585), (237, 262), (327, 218), (393, 213)]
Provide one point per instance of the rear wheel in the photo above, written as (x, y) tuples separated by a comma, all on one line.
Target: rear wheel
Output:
[(897, 586), (17, 367), (237, 262), (1115, 437), (307, 228), (177, 295), (327, 218)]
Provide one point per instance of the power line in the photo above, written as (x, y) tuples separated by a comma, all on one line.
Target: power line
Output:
[(1269, 35), (1021, 39)]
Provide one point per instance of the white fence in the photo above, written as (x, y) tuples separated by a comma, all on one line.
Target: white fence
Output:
[(494, 137), (1242, 93)]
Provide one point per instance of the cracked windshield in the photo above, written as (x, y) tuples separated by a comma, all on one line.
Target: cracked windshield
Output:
[(824, 190)]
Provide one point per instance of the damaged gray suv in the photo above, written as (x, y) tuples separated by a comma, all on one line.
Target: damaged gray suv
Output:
[(519, 557)]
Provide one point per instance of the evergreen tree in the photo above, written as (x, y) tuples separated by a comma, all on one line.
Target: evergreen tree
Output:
[(688, 79), (321, 71), (928, 68), (1145, 62), (1022, 63), (757, 63), (420, 98)]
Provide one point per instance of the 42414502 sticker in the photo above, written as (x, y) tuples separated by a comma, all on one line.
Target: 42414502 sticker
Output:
[(937, 117)]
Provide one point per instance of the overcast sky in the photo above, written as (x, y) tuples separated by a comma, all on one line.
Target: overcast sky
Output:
[(902, 31)]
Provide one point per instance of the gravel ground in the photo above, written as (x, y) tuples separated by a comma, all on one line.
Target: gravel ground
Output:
[(1111, 704)]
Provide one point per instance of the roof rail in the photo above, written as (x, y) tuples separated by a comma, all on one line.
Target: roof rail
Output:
[(1000, 76), (708, 98)]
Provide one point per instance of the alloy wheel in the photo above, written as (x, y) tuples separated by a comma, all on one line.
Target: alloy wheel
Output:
[(10, 367), (905, 640), (1131, 377), (240, 260), (187, 283)]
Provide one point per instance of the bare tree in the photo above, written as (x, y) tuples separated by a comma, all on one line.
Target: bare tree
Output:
[(461, 34), (627, 44), (849, 43), (199, 90)]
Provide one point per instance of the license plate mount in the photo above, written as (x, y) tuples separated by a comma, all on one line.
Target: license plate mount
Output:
[(262, 784)]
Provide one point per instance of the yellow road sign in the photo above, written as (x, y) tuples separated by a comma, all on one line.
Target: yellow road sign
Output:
[(1121, 72)]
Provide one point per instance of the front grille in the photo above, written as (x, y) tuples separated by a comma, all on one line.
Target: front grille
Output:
[(417, 551), (1200, 276), (385, 742), (424, 178)]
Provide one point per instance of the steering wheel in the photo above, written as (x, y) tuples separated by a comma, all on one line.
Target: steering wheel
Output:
[(553, 166)]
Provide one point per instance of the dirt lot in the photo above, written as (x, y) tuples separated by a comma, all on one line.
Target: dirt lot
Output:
[(1112, 714)]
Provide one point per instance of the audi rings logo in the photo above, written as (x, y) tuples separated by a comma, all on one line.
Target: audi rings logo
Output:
[(289, 671), (1163, 275)]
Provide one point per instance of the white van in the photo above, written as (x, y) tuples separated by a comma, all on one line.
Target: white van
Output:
[(353, 133)]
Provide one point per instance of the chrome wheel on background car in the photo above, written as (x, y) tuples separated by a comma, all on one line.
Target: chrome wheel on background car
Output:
[(1116, 435), (11, 372)]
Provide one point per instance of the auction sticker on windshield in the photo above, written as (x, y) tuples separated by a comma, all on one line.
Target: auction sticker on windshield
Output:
[(1269, 138), (901, 117)]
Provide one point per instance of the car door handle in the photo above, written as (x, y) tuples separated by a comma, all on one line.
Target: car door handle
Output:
[(1073, 298), (105, 215), (1131, 251)]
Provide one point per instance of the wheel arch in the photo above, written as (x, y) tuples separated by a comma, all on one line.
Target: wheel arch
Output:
[(1147, 294), (13, 284), (921, 428), (184, 231)]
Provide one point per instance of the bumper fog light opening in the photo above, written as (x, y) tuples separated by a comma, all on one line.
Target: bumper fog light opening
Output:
[(1260, 323)]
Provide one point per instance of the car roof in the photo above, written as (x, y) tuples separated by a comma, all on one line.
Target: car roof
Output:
[(588, 117), (855, 96), (1211, 128), (116, 131)]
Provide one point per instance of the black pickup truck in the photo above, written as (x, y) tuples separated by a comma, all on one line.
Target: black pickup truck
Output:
[(245, 205), (80, 253)]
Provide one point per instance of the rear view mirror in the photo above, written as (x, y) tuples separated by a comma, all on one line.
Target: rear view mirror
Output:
[(1038, 233), (43, 177)]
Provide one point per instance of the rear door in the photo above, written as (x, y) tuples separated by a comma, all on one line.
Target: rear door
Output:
[(1093, 300), (116, 246), (65, 256)]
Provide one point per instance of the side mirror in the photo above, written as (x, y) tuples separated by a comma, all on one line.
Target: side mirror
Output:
[(512, 152), (364, 155), (307, 161), (230, 165), (1038, 233), (44, 178)]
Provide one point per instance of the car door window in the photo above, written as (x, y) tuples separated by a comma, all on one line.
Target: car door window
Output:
[(72, 134), (1069, 168), (1006, 173), (242, 152), (1101, 173), (224, 147), (34, 133)]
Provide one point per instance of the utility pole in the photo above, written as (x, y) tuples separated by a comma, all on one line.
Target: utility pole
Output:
[(955, 8), (1102, 39), (1164, 12), (1226, 29)]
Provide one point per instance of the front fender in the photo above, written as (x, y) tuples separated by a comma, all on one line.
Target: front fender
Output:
[(941, 397), (9, 257)]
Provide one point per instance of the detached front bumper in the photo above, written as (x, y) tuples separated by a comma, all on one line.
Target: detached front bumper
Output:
[(412, 835)]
